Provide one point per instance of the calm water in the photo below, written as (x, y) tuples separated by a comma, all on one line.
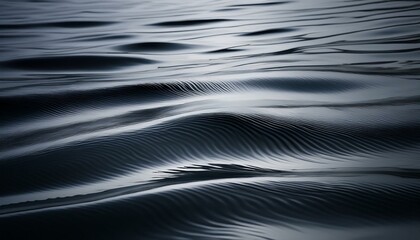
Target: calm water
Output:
[(210, 119)]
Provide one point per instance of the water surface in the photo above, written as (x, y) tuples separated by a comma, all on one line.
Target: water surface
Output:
[(210, 119)]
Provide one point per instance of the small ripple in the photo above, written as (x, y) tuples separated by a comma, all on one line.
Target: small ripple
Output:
[(154, 47), (269, 31), (226, 50), (75, 63), (260, 4), (68, 24), (187, 23)]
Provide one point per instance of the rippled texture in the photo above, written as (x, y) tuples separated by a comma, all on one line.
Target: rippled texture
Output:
[(213, 119)]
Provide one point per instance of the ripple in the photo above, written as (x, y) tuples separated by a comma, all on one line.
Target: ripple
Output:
[(269, 31), (260, 4), (187, 23), (67, 24), (226, 50), (154, 47), (75, 63), (311, 85)]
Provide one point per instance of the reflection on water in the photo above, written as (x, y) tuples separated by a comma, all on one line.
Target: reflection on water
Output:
[(211, 119)]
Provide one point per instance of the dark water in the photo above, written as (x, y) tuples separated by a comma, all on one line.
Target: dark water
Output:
[(215, 119)]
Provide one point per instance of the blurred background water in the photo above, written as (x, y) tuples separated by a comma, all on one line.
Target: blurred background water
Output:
[(210, 119)]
